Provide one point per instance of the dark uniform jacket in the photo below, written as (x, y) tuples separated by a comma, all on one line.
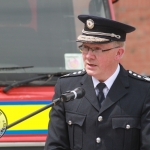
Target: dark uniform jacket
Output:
[(122, 122)]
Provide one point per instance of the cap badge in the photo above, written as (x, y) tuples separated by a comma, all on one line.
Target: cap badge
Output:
[(90, 23)]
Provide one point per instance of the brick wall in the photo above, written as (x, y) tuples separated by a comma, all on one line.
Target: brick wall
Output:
[(137, 14)]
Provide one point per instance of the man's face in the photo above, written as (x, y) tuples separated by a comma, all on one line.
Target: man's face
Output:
[(98, 63)]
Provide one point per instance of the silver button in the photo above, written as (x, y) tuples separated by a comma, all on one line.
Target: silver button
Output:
[(127, 126), (100, 118), (70, 122), (98, 140)]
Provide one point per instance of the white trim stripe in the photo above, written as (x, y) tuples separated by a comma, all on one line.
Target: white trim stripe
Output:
[(22, 144)]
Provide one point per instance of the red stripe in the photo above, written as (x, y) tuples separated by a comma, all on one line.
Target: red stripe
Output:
[(111, 9), (23, 138), (27, 93)]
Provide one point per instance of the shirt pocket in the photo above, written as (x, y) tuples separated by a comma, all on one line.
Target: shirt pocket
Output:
[(75, 123), (127, 132), (126, 123)]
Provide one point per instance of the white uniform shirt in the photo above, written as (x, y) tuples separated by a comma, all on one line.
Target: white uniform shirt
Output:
[(108, 82)]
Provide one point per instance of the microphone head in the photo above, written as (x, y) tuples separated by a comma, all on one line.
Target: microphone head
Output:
[(80, 92), (74, 94)]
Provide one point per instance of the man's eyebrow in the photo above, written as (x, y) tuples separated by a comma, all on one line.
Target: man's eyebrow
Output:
[(98, 47)]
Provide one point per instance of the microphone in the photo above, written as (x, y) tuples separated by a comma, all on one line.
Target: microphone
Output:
[(74, 94)]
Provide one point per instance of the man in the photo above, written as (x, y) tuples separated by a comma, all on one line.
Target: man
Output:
[(115, 117)]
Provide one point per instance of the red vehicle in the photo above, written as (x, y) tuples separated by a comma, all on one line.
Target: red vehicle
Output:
[(37, 46)]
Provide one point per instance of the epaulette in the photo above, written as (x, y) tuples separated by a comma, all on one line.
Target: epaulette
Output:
[(137, 76), (73, 74)]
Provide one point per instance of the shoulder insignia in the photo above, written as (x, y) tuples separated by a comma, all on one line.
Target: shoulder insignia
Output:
[(72, 74), (137, 76)]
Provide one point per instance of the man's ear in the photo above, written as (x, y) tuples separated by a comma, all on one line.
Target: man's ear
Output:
[(119, 54)]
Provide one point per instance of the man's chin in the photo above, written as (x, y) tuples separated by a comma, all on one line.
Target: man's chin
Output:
[(91, 73)]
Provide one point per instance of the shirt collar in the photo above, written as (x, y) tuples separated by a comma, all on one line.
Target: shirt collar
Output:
[(109, 81)]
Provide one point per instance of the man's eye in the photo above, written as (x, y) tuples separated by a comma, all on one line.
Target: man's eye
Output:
[(85, 47)]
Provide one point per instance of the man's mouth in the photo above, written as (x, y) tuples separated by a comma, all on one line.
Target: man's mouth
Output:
[(91, 65)]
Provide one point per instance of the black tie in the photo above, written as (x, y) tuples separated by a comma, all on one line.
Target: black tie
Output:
[(101, 96)]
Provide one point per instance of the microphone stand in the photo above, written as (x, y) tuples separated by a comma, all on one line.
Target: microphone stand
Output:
[(55, 102), (69, 95)]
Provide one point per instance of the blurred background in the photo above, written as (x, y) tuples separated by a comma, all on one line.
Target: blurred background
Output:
[(137, 14), (38, 37)]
